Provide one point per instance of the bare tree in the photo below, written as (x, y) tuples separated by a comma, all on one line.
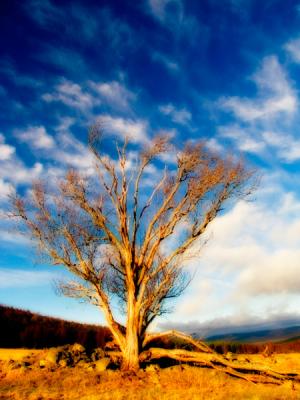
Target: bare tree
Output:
[(127, 236)]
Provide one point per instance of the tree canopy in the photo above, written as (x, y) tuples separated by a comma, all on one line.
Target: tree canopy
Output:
[(127, 231)]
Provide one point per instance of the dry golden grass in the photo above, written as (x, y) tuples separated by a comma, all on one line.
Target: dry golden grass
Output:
[(166, 384), (17, 354)]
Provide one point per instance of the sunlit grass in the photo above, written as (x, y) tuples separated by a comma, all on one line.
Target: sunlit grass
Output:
[(177, 382)]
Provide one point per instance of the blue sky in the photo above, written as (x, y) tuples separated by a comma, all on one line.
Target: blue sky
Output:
[(227, 72)]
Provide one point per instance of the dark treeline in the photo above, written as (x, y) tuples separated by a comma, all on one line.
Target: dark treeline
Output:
[(292, 346), (288, 346), (21, 328)]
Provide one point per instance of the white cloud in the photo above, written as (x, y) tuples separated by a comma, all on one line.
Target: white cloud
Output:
[(64, 149), (19, 173), (179, 115), (64, 124), (260, 245), (114, 93), (72, 95), (6, 151), (6, 189), (293, 48), (260, 121), (13, 170), (92, 94), (36, 136), (278, 272), (214, 145), (242, 138), (288, 148), (135, 130), (250, 264), (275, 94), (15, 278), (71, 152)]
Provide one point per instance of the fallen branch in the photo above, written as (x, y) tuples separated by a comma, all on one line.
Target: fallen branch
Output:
[(254, 373), (172, 333)]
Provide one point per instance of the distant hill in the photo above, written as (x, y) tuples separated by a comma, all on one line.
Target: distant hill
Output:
[(21, 328), (266, 335)]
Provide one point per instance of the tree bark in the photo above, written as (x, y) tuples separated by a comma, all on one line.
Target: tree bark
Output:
[(131, 351)]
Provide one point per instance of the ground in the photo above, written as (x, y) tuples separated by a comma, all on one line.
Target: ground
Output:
[(176, 382)]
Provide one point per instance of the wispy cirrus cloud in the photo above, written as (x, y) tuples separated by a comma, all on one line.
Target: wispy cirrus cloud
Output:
[(286, 146), (72, 95), (293, 49), (49, 15), (6, 151), (261, 120), (6, 189), (159, 7), (16, 172), (37, 137), (172, 15), (275, 95), (43, 12), (13, 170), (136, 130), (70, 62), (243, 139), (8, 68), (166, 61), (63, 148), (178, 115), (17, 278), (114, 93), (88, 96)]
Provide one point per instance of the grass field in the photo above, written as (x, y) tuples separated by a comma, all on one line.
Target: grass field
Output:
[(177, 382)]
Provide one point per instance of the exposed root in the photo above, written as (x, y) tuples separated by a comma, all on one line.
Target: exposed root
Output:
[(204, 356), (254, 373)]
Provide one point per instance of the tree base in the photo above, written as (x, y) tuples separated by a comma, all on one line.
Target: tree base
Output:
[(204, 356)]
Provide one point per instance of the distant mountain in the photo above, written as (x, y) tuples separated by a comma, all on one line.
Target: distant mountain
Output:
[(266, 335), (21, 328)]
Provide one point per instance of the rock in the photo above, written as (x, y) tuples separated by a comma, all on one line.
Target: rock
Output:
[(101, 365), (77, 348), (43, 363), (97, 354)]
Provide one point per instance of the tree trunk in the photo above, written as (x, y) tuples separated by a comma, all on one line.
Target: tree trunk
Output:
[(131, 350)]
